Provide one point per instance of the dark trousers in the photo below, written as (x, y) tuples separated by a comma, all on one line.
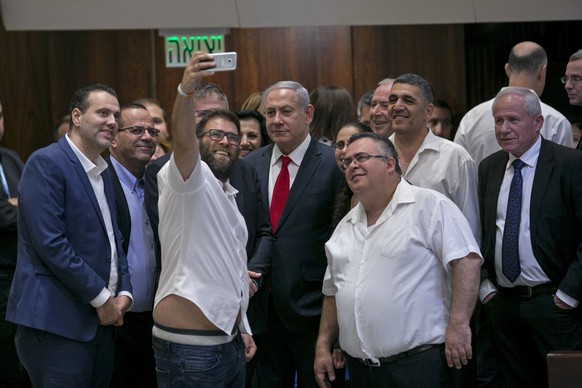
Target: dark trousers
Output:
[(427, 369), (135, 365), (54, 361), (282, 353), (185, 366), (12, 373), (525, 329)]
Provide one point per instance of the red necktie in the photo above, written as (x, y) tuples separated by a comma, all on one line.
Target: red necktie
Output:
[(280, 192)]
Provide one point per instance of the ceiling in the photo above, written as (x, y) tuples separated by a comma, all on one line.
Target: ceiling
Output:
[(50, 15)]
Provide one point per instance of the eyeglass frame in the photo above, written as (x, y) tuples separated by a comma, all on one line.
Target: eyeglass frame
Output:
[(573, 79), (131, 130), (202, 112), (360, 157), (230, 137)]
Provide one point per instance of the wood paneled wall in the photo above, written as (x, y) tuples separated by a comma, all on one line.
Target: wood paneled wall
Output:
[(39, 71)]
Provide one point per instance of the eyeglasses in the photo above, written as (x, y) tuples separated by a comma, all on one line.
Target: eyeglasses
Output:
[(139, 131), (202, 112), (360, 158), (340, 145), (219, 134), (573, 79)]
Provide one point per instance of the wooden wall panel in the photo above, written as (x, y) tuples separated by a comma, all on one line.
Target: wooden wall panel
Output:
[(40, 70), (24, 91), (436, 52)]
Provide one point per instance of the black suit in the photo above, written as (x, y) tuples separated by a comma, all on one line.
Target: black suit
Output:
[(134, 357), (556, 236), (11, 372), (298, 265)]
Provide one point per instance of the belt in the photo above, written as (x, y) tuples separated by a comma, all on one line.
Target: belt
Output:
[(527, 291), (396, 357)]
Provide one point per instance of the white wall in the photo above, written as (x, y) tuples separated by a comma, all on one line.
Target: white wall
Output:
[(31, 15)]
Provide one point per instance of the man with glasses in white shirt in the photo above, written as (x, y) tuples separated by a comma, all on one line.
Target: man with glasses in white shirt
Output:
[(402, 278)]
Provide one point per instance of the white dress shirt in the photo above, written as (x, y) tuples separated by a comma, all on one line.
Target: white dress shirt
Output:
[(296, 158), (444, 166), (392, 280), (203, 238)]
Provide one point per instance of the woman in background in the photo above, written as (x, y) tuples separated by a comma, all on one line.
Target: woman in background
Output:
[(334, 106), (253, 131)]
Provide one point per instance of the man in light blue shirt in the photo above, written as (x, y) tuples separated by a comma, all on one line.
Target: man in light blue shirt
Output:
[(130, 152)]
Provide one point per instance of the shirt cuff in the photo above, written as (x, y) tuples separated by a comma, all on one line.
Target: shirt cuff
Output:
[(128, 294), (100, 299), (567, 299), (486, 288)]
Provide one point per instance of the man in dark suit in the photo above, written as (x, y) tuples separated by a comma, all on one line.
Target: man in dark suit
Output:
[(131, 151), (11, 371), (301, 226), (71, 283), (531, 215)]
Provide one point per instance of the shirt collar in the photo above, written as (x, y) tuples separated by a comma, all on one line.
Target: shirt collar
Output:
[(92, 168), (403, 194), (296, 155), (530, 157), (430, 142), (126, 177)]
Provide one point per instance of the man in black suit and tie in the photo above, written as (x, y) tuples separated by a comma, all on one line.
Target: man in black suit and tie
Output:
[(299, 179), (531, 217), (131, 151)]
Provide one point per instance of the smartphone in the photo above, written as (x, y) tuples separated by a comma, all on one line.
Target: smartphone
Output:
[(224, 61)]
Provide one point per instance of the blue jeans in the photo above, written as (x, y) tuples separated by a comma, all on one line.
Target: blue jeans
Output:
[(179, 365)]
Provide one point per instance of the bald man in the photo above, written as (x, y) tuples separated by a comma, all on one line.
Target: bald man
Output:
[(525, 68)]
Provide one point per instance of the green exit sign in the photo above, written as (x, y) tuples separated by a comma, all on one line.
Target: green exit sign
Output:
[(179, 49)]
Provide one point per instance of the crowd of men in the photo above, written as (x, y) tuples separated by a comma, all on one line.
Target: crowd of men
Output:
[(459, 264)]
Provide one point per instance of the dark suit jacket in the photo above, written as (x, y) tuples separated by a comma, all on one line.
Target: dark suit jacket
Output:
[(12, 166), (298, 261), (256, 214), (123, 216), (555, 213), (64, 256)]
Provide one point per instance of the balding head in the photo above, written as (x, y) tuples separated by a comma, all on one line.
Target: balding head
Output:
[(526, 66)]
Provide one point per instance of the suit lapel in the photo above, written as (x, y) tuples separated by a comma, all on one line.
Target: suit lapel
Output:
[(495, 178), (311, 161), (263, 169), (543, 172), (236, 180), (83, 178)]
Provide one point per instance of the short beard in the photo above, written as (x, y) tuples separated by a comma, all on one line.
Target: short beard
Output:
[(221, 170)]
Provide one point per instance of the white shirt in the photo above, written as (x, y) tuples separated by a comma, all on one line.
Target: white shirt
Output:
[(531, 272), (296, 158), (203, 238), (444, 166), (392, 280), (94, 170), (476, 132)]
